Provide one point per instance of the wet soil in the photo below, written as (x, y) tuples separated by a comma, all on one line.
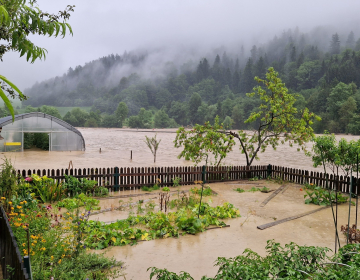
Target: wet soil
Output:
[(196, 253)]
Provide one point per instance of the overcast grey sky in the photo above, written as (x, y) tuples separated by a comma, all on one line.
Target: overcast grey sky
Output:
[(113, 26)]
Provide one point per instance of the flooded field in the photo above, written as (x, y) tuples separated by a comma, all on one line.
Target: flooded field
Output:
[(196, 254), (117, 144)]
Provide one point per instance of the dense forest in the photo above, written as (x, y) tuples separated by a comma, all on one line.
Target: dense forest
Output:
[(324, 76)]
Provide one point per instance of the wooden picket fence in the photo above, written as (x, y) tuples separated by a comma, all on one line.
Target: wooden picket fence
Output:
[(10, 258), (340, 183), (135, 177)]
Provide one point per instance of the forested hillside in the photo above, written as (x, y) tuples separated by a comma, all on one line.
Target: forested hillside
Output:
[(323, 72)]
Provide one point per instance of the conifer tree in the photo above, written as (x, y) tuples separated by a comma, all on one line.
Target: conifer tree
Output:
[(335, 44)]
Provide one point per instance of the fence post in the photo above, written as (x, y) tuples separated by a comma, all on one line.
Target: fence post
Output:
[(269, 171), (27, 266), (116, 179)]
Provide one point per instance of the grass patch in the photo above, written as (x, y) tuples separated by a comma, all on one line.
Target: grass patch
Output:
[(150, 189)]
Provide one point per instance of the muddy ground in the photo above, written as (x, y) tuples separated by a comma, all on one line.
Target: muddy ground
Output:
[(196, 254)]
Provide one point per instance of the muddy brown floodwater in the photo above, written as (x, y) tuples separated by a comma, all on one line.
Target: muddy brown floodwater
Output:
[(116, 145), (196, 254)]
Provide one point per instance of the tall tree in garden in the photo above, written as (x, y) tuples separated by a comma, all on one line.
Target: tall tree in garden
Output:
[(204, 142), (18, 20), (276, 119), (335, 44)]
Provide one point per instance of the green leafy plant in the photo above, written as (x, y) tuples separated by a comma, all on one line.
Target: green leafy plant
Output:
[(8, 181), (47, 189), (150, 189), (176, 181), (239, 190), (277, 119), (165, 189), (153, 145), (99, 235), (256, 178), (80, 201), (254, 189), (203, 140), (265, 190), (76, 186), (323, 197), (206, 192), (164, 274)]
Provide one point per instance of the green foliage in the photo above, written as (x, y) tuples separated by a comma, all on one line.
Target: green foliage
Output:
[(276, 119), (77, 117), (39, 140), (80, 201), (121, 113), (165, 189), (82, 185), (254, 189), (47, 189), (342, 155), (161, 119), (289, 262), (202, 141), (8, 180), (99, 235), (56, 244), (19, 19), (153, 145), (206, 192), (164, 274), (176, 181), (149, 189), (323, 197)]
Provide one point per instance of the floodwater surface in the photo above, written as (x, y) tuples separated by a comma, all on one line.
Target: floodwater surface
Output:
[(196, 254), (116, 146)]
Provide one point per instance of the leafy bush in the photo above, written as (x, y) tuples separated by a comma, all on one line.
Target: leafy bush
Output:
[(165, 189), (76, 186), (47, 189), (289, 262), (8, 180), (176, 181), (99, 235), (56, 244), (101, 191), (323, 197), (207, 191), (81, 200), (239, 190)]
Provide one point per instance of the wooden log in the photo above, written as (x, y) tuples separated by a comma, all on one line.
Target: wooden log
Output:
[(275, 193), (265, 226)]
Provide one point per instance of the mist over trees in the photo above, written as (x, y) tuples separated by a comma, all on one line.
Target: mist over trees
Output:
[(133, 89)]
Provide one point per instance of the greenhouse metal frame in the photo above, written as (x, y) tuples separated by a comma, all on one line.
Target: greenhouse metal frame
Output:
[(62, 136)]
